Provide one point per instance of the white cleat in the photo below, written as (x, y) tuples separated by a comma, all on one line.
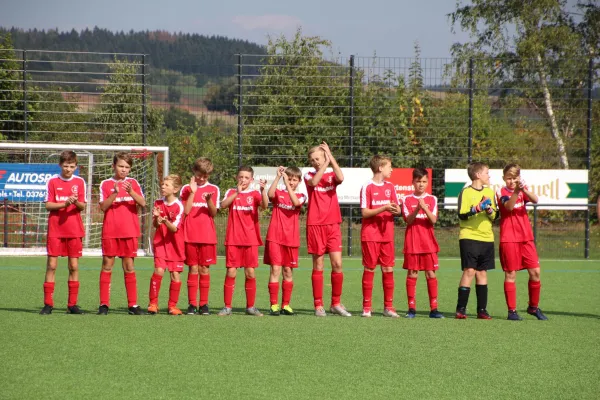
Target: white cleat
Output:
[(340, 310)]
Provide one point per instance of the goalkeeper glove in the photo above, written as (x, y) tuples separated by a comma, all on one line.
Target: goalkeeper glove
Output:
[(485, 204)]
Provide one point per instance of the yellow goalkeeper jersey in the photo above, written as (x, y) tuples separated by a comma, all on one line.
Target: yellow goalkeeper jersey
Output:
[(478, 225)]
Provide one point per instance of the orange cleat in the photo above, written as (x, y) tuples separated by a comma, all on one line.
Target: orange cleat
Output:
[(153, 309), (175, 311)]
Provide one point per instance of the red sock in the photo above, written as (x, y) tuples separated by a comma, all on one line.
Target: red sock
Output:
[(174, 290), (49, 294), (432, 291), (155, 282), (534, 293), (510, 294), (131, 289), (274, 292), (411, 292), (286, 293), (367, 288), (388, 289), (73, 293), (337, 281), (228, 288), (317, 286), (192, 285), (204, 288), (250, 292), (105, 287)]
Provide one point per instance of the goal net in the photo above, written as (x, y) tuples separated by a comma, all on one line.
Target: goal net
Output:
[(25, 169)]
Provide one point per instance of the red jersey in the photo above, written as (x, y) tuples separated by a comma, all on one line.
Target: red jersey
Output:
[(242, 222), (323, 205), (66, 222), (121, 219), (199, 225), (379, 228), (419, 237), (514, 225), (284, 227), (169, 245)]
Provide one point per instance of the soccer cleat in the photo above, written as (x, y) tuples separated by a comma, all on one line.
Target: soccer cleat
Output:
[(275, 310), (340, 310), (461, 313), (74, 310), (135, 310), (253, 311), (191, 310), (390, 312), (412, 313), (175, 311), (366, 313), (483, 314), (435, 314), (103, 310), (47, 310), (153, 309), (225, 311), (536, 312), (320, 312), (513, 316), (204, 310), (287, 310)]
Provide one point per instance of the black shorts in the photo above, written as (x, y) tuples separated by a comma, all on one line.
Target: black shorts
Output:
[(477, 255)]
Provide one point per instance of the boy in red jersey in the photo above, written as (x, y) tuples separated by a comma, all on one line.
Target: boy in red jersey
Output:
[(420, 246), (379, 203), (323, 230), (169, 247), (283, 237), (517, 248), (243, 237), (120, 197), (65, 200), (201, 201)]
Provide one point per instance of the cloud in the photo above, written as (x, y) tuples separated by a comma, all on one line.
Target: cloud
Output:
[(266, 22)]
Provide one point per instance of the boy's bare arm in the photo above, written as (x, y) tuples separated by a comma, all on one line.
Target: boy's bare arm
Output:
[(138, 198), (432, 218), (105, 205), (295, 200), (227, 201), (210, 204), (371, 212), (264, 200), (410, 218), (339, 176), (274, 184), (189, 204), (314, 181)]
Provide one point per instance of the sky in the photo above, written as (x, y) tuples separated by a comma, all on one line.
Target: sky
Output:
[(387, 28)]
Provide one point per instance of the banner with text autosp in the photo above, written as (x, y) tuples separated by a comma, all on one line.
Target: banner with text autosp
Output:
[(562, 189), (25, 182), (354, 178)]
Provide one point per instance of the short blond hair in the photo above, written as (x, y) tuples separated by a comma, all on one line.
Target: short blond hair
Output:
[(513, 170), (175, 180), (378, 161), (474, 168), (315, 149)]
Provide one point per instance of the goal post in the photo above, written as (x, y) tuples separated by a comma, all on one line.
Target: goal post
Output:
[(25, 169)]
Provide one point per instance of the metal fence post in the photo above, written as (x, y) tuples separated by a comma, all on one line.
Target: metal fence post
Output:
[(240, 120), (470, 150), (586, 251), (144, 107), (25, 95), (351, 136)]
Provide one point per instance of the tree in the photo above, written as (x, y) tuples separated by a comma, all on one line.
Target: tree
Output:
[(534, 46), (11, 96)]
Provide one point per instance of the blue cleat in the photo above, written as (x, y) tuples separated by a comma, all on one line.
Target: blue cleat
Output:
[(436, 314), (514, 316), (536, 312), (411, 313)]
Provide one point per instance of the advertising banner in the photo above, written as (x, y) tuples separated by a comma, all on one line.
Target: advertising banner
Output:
[(25, 182), (558, 187)]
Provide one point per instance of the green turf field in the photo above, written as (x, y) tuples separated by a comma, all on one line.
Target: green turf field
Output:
[(120, 356)]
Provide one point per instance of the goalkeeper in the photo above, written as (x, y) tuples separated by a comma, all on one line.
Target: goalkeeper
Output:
[(476, 212)]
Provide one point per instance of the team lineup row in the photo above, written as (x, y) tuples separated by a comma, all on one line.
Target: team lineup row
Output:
[(185, 234)]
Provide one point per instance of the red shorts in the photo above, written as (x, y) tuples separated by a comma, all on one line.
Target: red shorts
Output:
[(378, 253), (171, 266), (241, 256), (200, 254), (323, 239), (64, 247), (279, 254), (120, 247), (518, 256), (421, 262)]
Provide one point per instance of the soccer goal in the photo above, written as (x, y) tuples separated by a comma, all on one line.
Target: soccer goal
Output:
[(25, 169)]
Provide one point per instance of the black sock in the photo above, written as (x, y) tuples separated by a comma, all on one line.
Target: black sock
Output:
[(482, 296), (463, 297)]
